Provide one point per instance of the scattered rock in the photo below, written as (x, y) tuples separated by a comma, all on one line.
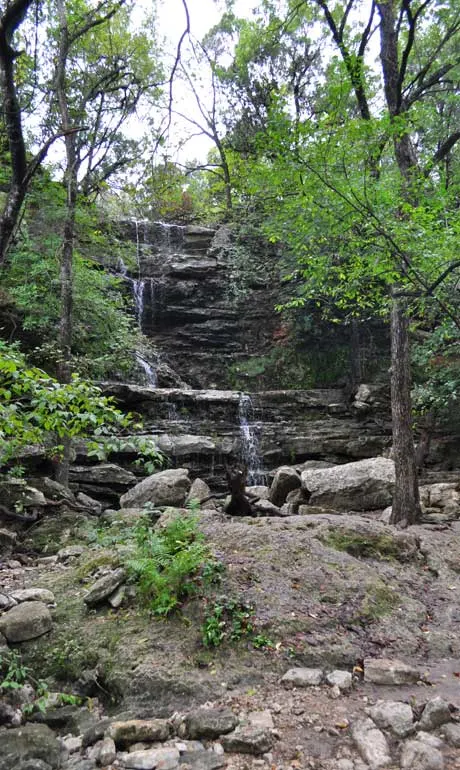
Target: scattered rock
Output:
[(107, 752), (419, 755), (435, 714), (152, 759), (33, 595), (341, 679), (104, 587), (303, 677), (371, 744), (6, 601), (116, 599), (248, 740), (138, 730), (25, 621), (164, 488), (389, 671), (451, 733), (100, 474), (209, 723), (394, 716), (200, 491), (202, 760)]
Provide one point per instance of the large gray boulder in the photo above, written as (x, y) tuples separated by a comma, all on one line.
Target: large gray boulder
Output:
[(164, 488), (25, 621), (286, 479), (361, 486), (31, 744)]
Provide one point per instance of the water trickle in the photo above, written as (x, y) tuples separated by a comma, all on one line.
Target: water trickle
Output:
[(250, 454), (150, 372)]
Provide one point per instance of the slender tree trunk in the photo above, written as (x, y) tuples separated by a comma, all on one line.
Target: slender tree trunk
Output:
[(355, 354), (68, 237), (406, 500), (10, 20)]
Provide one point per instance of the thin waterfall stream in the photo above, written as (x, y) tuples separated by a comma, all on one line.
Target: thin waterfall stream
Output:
[(250, 454)]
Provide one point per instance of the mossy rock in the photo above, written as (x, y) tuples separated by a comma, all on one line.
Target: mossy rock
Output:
[(366, 544)]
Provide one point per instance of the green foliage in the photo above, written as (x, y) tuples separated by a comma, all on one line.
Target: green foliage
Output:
[(228, 620), (104, 335), (168, 564), (15, 674), (36, 409), (437, 369)]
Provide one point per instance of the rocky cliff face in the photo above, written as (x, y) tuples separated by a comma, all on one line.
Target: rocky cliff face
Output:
[(185, 302)]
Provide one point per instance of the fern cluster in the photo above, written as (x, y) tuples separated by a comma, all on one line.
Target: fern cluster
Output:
[(168, 564)]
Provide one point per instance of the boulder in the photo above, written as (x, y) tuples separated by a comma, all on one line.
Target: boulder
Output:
[(209, 723), (164, 488), (419, 755), (138, 731), (249, 740), (371, 744), (286, 479), (104, 587), (200, 491), (33, 595), (435, 714), (361, 486), (25, 621), (303, 677), (393, 715), (32, 744)]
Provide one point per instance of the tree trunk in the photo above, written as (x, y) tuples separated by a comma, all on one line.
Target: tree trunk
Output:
[(406, 501), (68, 236), (10, 20)]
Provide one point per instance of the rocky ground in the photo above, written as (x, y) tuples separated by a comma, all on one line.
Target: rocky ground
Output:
[(329, 592)]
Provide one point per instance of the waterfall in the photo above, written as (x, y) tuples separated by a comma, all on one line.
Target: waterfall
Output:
[(150, 372), (250, 454)]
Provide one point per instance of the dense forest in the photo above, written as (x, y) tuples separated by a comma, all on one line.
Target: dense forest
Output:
[(229, 377), (333, 134)]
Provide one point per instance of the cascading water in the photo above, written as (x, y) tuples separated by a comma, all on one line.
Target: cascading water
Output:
[(250, 454), (150, 372)]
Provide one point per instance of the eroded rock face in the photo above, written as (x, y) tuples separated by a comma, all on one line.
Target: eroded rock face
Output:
[(164, 488), (361, 486), (25, 621)]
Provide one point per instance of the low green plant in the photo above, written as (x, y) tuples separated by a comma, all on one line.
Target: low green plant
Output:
[(15, 674), (227, 620), (167, 564), (262, 642)]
